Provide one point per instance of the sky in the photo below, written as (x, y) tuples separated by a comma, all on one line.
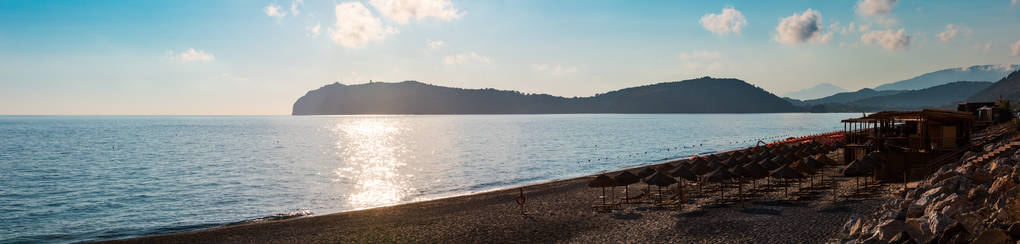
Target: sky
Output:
[(235, 57)]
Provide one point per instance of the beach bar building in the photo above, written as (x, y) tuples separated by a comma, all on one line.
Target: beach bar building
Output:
[(907, 140)]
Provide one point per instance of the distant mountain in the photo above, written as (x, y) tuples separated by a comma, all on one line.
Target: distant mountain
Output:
[(704, 95), (972, 73), (1008, 87), (815, 92), (846, 97), (936, 96)]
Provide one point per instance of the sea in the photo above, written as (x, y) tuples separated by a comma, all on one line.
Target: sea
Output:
[(89, 178)]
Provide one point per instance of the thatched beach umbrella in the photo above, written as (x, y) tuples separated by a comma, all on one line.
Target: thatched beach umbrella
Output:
[(755, 173), (624, 179), (682, 174), (863, 166), (602, 181), (825, 159), (729, 162), (645, 172), (720, 176), (666, 167), (713, 157), (809, 167), (740, 173), (786, 173), (700, 169), (699, 160), (769, 164), (659, 179)]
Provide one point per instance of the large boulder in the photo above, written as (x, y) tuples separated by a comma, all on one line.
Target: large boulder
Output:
[(951, 205), (848, 227), (918, 228), (954, 234), (1000, 167), (916, 208), (1001, 185), (902, 238), (886, 230), (978, 193), (938, 223)]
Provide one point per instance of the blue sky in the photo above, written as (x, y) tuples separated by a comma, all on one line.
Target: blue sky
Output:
[(257, 57)]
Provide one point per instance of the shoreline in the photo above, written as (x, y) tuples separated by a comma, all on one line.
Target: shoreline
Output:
[(558, 211)]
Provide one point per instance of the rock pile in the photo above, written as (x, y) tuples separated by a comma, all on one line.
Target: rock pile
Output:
[(971, 201)]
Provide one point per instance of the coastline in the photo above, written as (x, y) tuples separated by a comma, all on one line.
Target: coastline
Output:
[(558, 211)]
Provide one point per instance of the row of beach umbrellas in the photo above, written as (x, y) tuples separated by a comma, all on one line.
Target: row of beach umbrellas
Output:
[(747, 164)]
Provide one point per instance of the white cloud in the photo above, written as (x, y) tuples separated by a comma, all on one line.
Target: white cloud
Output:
[(402, 11), (878, 8), (314, 31), (948, 34), (465, 58), (887, 39), (355, 26), (802, 27), (730, 20), (435, 44), (273, 10), (1015, 48), (555, 69), (294, 6), (190, 55)]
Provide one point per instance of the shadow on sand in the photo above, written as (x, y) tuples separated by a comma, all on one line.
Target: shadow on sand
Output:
[(630, 216), (761, 211), (695, 213)]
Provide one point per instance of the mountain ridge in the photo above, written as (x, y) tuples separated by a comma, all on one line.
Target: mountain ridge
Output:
[(987, 72), (702, 95)]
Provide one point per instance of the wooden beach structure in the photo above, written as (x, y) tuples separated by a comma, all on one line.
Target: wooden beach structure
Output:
[(908, 141)]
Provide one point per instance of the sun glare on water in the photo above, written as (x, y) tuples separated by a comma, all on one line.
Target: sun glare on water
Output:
[(370, 156)]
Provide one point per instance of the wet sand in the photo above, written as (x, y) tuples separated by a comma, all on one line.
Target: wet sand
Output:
[(560, 211)]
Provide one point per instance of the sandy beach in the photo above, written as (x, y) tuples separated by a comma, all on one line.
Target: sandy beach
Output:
[(560, 211)]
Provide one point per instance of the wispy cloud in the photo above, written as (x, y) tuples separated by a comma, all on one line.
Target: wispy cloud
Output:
[(948, 34), (402, 11), (802, 27), (728, 21), (315, 30), (888, 39), (189, 56), (294, 6), (880, 10), (466, 58), (435, 44), (1015, 48), (356, 26), (273, 10)]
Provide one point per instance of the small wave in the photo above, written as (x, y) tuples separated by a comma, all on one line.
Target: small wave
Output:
[(275, 217)]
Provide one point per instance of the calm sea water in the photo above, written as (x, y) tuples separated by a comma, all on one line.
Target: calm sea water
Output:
[(82, 178)]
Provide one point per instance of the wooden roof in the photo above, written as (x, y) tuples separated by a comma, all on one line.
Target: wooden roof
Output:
[(927, 114)]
